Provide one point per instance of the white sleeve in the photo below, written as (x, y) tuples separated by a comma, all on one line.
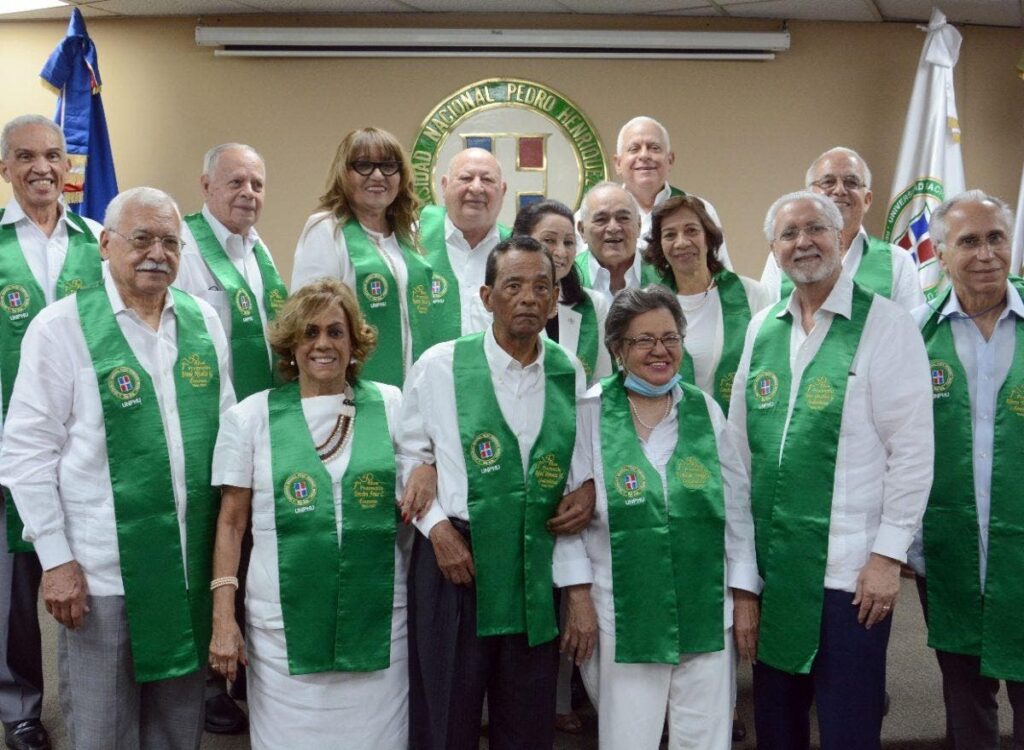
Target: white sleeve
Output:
[(235, 453), (771, 279), (321, 253), (415, 446), (603, 366), (906, 283)]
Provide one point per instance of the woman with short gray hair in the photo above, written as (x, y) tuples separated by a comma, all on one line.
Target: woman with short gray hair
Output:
[(671, 538)]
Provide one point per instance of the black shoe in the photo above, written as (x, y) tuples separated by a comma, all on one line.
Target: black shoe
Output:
[(223, 716), (739, 730), (29, 734)]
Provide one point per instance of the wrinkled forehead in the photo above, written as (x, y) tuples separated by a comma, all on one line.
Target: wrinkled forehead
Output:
[(642, 132), (609, 200), (239, 160), (839, 165), (981, 217), (475, 163), (798, 213)]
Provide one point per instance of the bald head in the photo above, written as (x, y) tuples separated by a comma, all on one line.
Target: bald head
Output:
[(473, 190), (610, 224)]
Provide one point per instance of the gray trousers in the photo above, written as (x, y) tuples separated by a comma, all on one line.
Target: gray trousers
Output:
[(104, 707), (21, 657)]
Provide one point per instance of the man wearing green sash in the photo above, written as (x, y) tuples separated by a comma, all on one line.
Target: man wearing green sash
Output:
[(831, 399), (843, 176), (109, 442), (225, 263), (46, 252), (971, 547), (457, 239), (495, 413)]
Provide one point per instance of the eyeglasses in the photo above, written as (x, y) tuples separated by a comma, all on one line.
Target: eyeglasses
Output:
[(366, 167), (144, 241), (829, 182), (646, 343), (813, 231)]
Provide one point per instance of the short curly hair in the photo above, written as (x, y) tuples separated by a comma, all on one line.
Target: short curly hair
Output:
[(300, 308)]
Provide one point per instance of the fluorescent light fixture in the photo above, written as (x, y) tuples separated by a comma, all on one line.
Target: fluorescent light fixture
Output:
[(511, 43), (20, 6)]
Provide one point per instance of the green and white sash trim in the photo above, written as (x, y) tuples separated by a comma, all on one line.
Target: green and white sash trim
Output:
[(963, 619), (336, 599), (168, 606), (252, 368), (668, 554), (791, 489), (509, 507), (21, 299), (444, 285)]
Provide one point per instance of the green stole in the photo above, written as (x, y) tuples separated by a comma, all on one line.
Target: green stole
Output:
[(791, 496), (337, 600), (668, 557), (962, 619), (674, 191), (587, 344), (252, 369), (21, 299), (374, 282), (447, 315), (874, 271), (509, 507), (168, 608), (735, 319), (648, 273)]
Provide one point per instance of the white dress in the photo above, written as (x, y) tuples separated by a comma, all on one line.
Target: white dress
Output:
[(349, 710)]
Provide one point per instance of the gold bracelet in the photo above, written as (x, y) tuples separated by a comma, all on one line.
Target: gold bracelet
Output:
[(216, 583)]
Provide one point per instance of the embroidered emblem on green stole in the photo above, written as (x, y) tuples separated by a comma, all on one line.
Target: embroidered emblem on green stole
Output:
[(337, 601), (168, 606), (962, 619), (21, 299), (791, 496), (668, 556), (377, 290), (252, 369), (444, 288), (735, 319), (873, 273), (509, 507)]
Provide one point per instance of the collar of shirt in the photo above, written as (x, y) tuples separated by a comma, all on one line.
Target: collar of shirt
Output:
[(501, 361), (119, 306), (453, 235), (235, 245), (13, 213), (838, 302), (851, 261), (1014, 304), (600, 273), (663, 195)]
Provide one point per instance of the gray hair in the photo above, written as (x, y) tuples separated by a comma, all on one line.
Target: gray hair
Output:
[(809, 177), (146, 197), (937, 223), (825, 207), (604, 184), (631, 302), (24, 121), (213, 155), (641, 119)]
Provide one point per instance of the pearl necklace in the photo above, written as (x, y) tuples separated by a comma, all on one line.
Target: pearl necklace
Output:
[(636, 414)]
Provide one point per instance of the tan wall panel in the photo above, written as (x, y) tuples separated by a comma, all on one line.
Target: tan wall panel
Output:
[(743, 132)]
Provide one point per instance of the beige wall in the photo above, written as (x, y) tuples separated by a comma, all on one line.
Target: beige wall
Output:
[(743, 132)]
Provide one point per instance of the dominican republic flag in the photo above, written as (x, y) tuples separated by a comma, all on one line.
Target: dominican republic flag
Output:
[(14, 299), (376, 288), (124, 383), (73, 70), (930, 167), (299, 489), (938, 377), (630, 482), (485, 449), (764, 386)]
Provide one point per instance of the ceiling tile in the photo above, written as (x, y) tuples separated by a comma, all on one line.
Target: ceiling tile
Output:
[(812, 10), (174, 7), (491, 6), (637, 6), (985, 12), (50, 14), (331, 6)]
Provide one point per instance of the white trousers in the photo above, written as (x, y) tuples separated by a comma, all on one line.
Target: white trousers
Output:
[(632, 699)]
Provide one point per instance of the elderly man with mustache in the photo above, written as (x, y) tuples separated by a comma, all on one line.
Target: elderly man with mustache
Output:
[(107, 451)]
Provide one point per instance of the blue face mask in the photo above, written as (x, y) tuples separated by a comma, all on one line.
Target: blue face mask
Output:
[(643, 388)]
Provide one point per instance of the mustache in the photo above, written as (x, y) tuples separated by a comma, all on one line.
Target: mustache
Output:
[(152, 265)]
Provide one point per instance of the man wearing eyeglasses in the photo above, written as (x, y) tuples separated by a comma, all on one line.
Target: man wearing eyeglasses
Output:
[(843, 176), (107, 452), (46, 252), (833, 407), (970, 557), (225, 263), (458, 237)]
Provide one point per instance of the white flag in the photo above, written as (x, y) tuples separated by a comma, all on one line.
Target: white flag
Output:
[(930, 167), (1018, 233)]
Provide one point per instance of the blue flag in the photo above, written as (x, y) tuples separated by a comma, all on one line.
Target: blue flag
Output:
[(74, 71)]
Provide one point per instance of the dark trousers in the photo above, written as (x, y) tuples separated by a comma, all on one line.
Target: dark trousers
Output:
[(847, 682), (451, 669), (21, 657), (972, 719)]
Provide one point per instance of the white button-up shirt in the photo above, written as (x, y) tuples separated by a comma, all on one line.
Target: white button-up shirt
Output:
[(587, 463), (886, 442), (429, 431), (986, 365), (54, 459), (469, 264), (601, 278), (195, 277), (906, 284), (322, 252)]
